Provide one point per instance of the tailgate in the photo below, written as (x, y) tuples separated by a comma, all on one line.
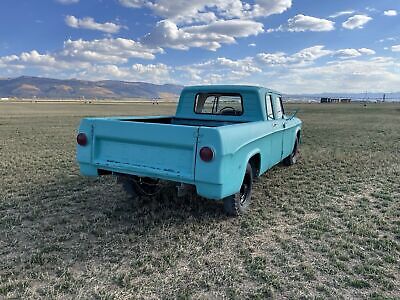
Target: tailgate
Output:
[(145, 149)]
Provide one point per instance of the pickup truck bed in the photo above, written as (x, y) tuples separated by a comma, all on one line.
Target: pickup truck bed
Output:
[(145, 146)]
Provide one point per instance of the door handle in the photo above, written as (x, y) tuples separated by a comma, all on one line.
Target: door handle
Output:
[(274, 125)]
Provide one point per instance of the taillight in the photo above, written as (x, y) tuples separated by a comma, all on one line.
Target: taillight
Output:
[(206, 154), (81, 139)]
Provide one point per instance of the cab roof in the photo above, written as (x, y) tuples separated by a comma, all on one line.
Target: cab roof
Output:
[(227, 88)]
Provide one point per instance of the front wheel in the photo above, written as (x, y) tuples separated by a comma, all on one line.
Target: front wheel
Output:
[(294, 156), (238, 203)]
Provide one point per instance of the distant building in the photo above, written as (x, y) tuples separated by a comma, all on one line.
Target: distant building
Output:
[(5, 99), (335, 100)]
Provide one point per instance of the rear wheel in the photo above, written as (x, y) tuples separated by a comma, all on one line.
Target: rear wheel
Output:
[(238, 203), (294, 156)]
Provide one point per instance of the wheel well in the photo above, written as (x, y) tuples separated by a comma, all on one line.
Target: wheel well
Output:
[(255, 163), (299, 136)]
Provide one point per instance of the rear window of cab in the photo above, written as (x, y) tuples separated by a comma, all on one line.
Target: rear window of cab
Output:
[(229, 104)]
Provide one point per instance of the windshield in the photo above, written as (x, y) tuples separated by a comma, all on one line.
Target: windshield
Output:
[(219, 104)]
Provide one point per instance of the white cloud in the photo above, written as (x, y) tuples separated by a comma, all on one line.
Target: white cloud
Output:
[(204, 23), (117, 50), (308, 56), (205, 11), (33, 58), (155, 73), (376, 74), (366, 51), (90, 23), (252, 45), (210, 36), (387, 39), (348, 53), (302, 58), (356, 21), (300, 23), (264, 8), (395, 48), (67, 1), (132, 3), (296, 74), (390, 13), (341, 13), (78, 55), (292, 73), (219, 70)]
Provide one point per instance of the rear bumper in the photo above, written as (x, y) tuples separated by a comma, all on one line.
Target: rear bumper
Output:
[(210, 190), (203, 189)]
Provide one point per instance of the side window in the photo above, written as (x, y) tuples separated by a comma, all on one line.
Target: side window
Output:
[(268, 106), (282, 107), (278, 107)]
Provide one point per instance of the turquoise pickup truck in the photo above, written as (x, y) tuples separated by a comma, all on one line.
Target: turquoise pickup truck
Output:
[(221, 138)]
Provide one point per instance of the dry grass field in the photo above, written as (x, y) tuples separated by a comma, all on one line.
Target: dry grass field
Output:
[(328, 227)]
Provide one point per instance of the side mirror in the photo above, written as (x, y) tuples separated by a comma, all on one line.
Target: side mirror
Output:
[(293, 115)]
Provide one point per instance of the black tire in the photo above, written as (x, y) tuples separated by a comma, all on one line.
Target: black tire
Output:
[(294, 156), (238, 204)]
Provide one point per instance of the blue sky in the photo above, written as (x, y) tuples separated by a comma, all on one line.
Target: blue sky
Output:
[(295, 46)]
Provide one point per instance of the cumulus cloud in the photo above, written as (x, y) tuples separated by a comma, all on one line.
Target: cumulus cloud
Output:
[(344, 75), (90, 23), (300, 23), (155, 73), (308, 56), (210, 36), (219, 70), (346, 69), (341, 13), (366, 51), (348, 53), (81, 54), (185, 12), (395, 48), (390, 13), (356, 21), (296, 73), (304, 57), (34, 59), (204, 23), (117, 50)]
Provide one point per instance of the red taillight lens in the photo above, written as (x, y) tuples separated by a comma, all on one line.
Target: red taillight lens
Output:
[(81, 139), (206, 154)]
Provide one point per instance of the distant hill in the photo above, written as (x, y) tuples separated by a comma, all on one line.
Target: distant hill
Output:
[(47, 88), (354, 96)]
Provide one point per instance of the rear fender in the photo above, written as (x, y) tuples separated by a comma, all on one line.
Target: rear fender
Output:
[(84, 153)]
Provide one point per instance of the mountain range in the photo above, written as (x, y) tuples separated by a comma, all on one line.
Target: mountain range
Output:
[(48, 88)]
